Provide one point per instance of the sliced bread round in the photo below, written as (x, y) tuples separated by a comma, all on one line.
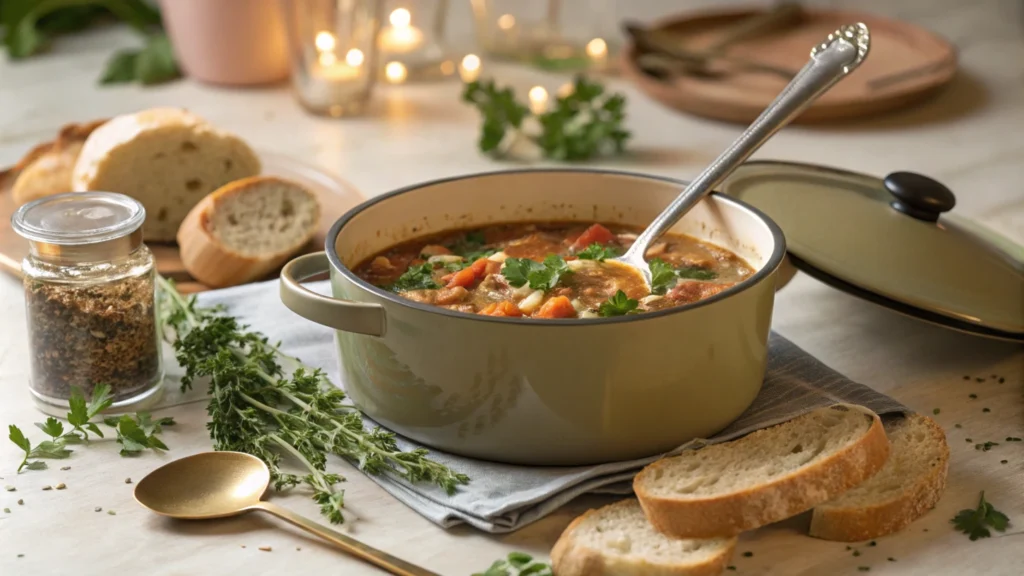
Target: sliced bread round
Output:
[(46, 170), (908, 486), (617, 540), (246, 229), (167, 159), (763, 477)]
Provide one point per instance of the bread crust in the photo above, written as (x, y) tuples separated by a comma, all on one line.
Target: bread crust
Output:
[(211, 262), (569, 558), (787, 496), (46, 169), (858, 523)]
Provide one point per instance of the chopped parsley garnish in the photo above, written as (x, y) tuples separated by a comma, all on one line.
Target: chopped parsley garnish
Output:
[(696, 273), (418, 277), (598, 252), (540, 275), (976, 523), (471, 248), (663, 276), (617, 305)]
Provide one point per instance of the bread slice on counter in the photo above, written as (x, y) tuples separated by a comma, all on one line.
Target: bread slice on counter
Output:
[(166, 158), (908, 486), (618, 540), (765, 476), (246, 229), (46, 170)]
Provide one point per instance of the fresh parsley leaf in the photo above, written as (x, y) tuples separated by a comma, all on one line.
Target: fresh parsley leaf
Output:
[(50, 449), (617, 305), (34, 465), (102, 398), (695, 273), (419, 277), (517, 270), (517, 564), (19, 439), (582, 124), (976, 523), (597, 252), (52, 427), (663, 276), (540, 275), (79, 413), (131, 438)]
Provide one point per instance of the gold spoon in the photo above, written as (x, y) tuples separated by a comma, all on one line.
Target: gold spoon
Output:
[(220, 484)]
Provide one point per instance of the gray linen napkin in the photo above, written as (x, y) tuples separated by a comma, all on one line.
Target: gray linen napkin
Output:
[(501, 497)]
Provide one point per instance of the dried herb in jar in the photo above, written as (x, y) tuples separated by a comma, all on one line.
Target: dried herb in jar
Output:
[(81, 336)]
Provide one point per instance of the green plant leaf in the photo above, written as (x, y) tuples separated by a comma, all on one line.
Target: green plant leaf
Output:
[(120, 68), (155, 63), (52, 427), (18, 437)]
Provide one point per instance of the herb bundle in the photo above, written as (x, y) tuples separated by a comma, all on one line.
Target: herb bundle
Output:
[(258, 408), (29, 25), (581, 125)]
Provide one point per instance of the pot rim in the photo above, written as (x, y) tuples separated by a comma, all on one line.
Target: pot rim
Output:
[(770, 266)]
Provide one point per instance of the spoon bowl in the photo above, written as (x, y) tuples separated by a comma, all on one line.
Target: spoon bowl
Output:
[(220, 484), (206, 485)]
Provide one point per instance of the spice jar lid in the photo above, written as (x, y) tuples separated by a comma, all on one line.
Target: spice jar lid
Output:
[(891, 241), (78, 226)]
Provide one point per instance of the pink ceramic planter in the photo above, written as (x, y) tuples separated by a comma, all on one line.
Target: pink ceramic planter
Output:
[(230, 42)]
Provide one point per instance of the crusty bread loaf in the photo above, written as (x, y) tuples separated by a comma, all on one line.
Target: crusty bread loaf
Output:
[(617, 540), (166, 158), (765, 476), (246, 229), (908, 486), (47, 168)]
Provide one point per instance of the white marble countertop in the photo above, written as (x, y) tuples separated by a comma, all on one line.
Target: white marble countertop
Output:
[(968, 137)]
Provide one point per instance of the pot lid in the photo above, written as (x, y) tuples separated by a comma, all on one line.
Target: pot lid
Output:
[(892, 241)]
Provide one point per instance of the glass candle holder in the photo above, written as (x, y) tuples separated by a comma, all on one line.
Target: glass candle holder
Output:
[(333, 50), (412, 41), (550, 34)]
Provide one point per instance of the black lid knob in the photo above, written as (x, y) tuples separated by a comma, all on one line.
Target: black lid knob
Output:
[(919, 196)]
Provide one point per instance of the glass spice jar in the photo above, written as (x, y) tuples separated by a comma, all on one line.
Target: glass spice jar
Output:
[(90, 298)]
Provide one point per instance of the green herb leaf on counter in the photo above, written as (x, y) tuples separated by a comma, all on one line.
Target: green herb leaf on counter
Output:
[(18, 437), (52, 427), (29, 25), (976, 523), (618, 305), (81, 412), (539, 275), (580, 125), (517, 564), (598, 252), (419, 277), (258, 407), (153, 64)]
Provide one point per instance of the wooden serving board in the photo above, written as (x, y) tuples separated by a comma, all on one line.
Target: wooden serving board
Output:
[(336, 197), (906, 63)]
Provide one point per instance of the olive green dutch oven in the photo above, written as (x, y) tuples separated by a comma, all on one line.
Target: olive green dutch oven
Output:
[(544, 392)]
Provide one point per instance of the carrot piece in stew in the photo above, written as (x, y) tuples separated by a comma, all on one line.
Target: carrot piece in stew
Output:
[(596, 234), (505, 308), (480, 267), (465, 278), (557, 307)]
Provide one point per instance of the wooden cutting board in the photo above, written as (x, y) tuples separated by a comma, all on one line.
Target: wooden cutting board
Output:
[(336, 197), (906, 63)]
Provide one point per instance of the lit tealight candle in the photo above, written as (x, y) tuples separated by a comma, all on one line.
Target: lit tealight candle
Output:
[(597, 49), (324, 41), (401, 36), (538, 99), (469, 68), (395, 72)]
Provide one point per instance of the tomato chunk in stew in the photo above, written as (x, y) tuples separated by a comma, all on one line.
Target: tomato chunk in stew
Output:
[(551, 270)]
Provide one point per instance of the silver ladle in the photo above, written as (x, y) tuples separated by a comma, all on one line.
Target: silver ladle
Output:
[(830, 61)]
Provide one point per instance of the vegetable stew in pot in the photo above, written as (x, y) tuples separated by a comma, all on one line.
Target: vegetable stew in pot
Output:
[(551, 270)]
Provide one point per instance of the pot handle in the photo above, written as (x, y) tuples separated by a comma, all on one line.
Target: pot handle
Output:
[(358, 317)]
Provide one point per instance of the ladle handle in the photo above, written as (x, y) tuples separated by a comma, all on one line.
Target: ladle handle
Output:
[(834, 58), (354, 547)]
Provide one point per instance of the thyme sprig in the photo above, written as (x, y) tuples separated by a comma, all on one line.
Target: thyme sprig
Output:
[(259, 408)]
